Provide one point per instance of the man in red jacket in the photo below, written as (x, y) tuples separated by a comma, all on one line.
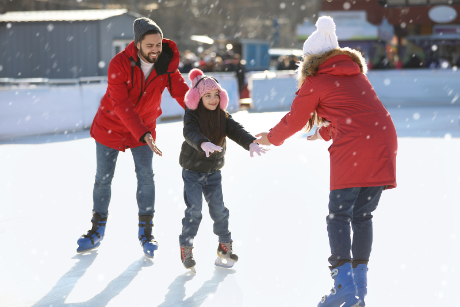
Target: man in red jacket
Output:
[(126, 118)]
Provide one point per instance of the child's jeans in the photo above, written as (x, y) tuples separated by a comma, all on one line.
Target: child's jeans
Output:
[(106, 162), (210, 185), (355, 206)]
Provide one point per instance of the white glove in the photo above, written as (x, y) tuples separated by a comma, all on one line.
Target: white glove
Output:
[(255, 148), (209, 148)]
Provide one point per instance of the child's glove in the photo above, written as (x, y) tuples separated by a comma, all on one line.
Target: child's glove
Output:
[(209, 148), (255, 148)]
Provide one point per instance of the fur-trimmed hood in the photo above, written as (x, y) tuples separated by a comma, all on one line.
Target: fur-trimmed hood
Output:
[(312, 63)]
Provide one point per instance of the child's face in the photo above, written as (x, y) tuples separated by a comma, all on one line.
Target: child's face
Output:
[(211, 99)]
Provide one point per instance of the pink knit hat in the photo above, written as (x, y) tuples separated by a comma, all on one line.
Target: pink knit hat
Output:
[(201, 84)]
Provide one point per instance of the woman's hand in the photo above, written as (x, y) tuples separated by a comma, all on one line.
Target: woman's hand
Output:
[(262, 139), (149, 140), (315, 136)]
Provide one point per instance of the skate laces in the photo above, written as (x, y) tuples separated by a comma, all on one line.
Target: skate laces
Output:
[(227, 247), (187, 252)]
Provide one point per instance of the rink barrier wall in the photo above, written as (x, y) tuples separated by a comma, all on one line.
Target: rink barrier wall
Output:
[(271, 91), (44, 106)]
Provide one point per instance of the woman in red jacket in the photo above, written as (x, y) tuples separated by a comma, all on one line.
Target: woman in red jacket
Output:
[(335, 95), (126, 118)]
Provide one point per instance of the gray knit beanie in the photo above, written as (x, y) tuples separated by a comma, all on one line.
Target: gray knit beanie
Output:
[(143, 25)]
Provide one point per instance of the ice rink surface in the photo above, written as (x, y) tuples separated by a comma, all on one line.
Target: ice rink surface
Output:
[(278, 207)]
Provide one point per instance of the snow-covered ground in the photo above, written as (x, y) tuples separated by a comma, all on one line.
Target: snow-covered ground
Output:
[(278, 206)]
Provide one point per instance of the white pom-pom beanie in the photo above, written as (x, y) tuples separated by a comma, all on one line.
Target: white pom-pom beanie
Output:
[(323, 39)]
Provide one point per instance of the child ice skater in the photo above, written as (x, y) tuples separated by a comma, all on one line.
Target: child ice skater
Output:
[(335, 94), (206, 126)]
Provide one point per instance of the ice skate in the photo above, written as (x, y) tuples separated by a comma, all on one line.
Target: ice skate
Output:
[(186, 256), (360, 277), (343, 294), (94, 236), (226, 258), (146, 239)]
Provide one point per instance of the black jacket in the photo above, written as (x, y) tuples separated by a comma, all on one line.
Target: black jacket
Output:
[(192, 157)]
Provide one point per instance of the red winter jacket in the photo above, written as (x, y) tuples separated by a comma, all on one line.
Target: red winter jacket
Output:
[(363, 152), (131, 105)]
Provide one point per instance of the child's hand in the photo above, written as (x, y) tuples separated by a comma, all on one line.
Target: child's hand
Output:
[(209, 148), (255, 148)]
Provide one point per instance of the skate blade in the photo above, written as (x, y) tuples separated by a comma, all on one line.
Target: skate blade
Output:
[(192, 269), (87, 250), (148, 256), (224, 263)]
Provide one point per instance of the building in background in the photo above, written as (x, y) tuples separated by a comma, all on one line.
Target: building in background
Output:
[(62, 44), (411, 33)]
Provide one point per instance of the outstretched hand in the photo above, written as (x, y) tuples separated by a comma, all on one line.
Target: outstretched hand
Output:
[(262, 139), (255, 148), (315, 136), (149, 140), (209, 148)]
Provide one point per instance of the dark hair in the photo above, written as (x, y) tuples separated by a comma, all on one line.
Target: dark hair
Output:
[(150, 32), (212, 123)]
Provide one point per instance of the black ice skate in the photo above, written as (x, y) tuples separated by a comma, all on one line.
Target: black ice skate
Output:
[(226, 258), (186, 256)]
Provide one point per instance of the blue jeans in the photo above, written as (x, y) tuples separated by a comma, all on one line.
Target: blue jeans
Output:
[(210, 185), (355, 206), (106, 161)]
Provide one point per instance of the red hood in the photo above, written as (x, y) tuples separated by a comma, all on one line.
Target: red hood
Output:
[(339, 65)]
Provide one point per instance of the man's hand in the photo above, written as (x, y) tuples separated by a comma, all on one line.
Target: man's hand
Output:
[(149, 140), (262, 139), (209, 148)]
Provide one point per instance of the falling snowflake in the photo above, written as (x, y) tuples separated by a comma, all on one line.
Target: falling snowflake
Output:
[(434, 47), (8, 25), (346, 5), (50, 27), (416, 116), (101, 64), (387, 81)]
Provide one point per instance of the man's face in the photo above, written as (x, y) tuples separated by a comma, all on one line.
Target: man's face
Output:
[(150, 47)]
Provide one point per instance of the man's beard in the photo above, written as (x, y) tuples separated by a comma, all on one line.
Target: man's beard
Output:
[(147, 58)]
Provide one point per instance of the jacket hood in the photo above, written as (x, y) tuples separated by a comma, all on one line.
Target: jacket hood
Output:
[(338, 62), (168, 60)]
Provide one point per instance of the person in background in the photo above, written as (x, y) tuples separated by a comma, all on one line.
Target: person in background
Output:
[(335, 94), (126, 119)]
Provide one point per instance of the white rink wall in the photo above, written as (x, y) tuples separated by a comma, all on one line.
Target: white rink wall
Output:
[(31, 109), (273, 91), (44, 109)]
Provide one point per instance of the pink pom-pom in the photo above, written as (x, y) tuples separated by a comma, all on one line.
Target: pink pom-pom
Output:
[(195, 73)]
